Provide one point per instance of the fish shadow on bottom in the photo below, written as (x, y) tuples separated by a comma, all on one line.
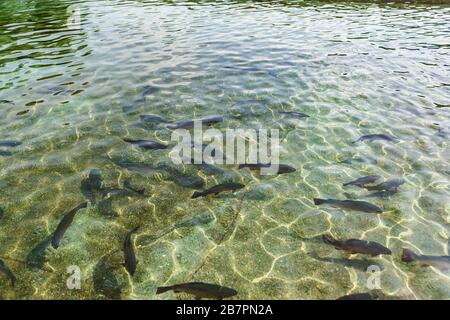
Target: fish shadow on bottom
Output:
[(36, 258), (358, 264), (106, 278)]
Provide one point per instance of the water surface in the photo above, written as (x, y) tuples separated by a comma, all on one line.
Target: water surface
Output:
[(75, 73)]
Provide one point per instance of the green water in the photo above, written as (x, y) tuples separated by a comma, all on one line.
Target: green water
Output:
[(354, 68)]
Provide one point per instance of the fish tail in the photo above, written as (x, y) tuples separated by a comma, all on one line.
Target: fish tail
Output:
[(197, 194), (318, 201), (329, 239), (408, 255), (160, 290)]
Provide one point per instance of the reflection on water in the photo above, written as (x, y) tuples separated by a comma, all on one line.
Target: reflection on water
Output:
[(75, 77)]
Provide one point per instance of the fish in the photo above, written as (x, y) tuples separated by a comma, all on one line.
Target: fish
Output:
[(189, 124), (151, 118), (356, 296), (7, 102), (350, 205), (5, 153), (282, 168), (7, 272), (64, 224), (361, 182), (357, 246), (9, 143), (130, 257), (127, 185), (188, 181), (147, 144), (20, 113), (389, 185), (373, 137), (439, 262), (200, 290), (2, 212), (217, 189), (149, 90), (294, 114)]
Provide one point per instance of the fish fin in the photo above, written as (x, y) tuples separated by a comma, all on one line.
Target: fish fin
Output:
[(241, 166), (318, 201), (216, 194)]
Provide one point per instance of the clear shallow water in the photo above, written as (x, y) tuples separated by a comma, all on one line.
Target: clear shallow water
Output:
[(354, 68)]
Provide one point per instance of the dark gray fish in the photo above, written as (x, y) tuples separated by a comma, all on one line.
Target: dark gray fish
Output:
[(189, 124), (64, 224), (7, 102), (294, 114), (151, 118), (282, 168), (127, 185), (389, 185), (147, 144), (361, 182), (439, 262), (129, 255), (357, 246), (7, 272), (5, 153), (200, 290), (356, 296), (218, 189), (373, 137), (349, 204), (20, 113), (9, 143)]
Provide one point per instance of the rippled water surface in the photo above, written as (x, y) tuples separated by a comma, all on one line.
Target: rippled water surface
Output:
[(76, 75)]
